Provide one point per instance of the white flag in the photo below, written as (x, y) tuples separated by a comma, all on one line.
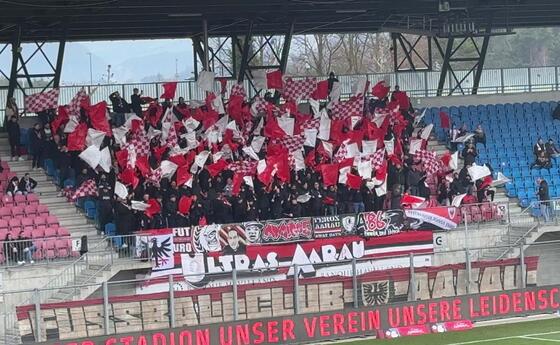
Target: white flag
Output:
[(365, 169), (250, 152), (477, 172), (352, 150), (419, 118), (105, 160), (369, 147), (206, 80), (259, 79), (343, 175), (218, 105), (501, 180), (139, 205), (298, 160), (71, 124), (426, 131), (94, 137), (248, 181), (120, 190), (201, 158), (359, 85), (190, 124), (287, 125), (257, 143), (328, 147), (310, 137), (354, 121), (324, 128), (314, 104), (389, 146), (335, 92), (91, 156), (119, 134), (463, 138), (457, 200), (168, 168), (454, 160), (415, 145)]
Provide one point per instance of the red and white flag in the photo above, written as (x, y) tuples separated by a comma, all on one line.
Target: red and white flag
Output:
[(42, 101)]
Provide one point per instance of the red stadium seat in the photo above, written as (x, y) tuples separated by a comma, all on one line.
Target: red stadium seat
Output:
[(5, 213), (38, 233), (42, 210), (7, 201), (20, 200), (31, 210), (14, 225), (476, 213), (487, 214), (4, 224), (50, 232), (18, 211), (32, 199), (40, 220), (38, 255), (63, 248), (49, 249), (62, 232), (52, 221)]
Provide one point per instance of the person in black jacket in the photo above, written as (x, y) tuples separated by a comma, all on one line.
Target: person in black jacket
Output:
[(136, 101), (544, 198), (13, 187), (27, 184), (13, 137), (36, 144), (120, 107)]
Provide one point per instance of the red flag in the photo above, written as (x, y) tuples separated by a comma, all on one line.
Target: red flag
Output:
[(412, 200), (169, 90), (122, 158), (353, 181), (153, 209), (223, 85), (310, 159), (135, 125), (330, 174), (218, 167), (180, 160), (237, 181), (274, 80), (381, 173), (60, 120), (380, 90), (348, 162), (98, 116), (77, 139), (322, 91), (266, 175), (444, 120), (402, 99), (486, 181), (183, 175), (142, 165), (128, 177), (185, 204), (272, 129), (154, 113), (281, 164)]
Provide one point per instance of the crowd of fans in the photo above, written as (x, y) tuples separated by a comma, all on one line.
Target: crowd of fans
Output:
[(213, 199)]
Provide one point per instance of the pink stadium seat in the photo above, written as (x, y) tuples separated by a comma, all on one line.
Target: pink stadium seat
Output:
[(32, 199), (50, 232), (476, 213), (42, 210), (49, 249), (62, 232), (487, 213), (27, 221), (20, 200), (40, 220), (7, 201), (38, 255), (5, 213), (63, 248), (18, 211), (4, 224), (14, 224), (28, 232), (31, 210), (467, 214), (38, 233), (3, 233), (52, 221)]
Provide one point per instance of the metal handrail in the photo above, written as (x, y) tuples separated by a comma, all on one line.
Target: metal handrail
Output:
[(518, 242)]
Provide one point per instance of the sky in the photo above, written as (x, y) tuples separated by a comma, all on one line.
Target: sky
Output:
[(131, 61)]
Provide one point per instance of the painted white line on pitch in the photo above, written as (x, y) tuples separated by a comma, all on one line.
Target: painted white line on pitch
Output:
[(540, 339), (504, 338)]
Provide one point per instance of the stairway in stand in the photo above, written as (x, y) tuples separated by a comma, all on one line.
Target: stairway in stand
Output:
[(67, 214)]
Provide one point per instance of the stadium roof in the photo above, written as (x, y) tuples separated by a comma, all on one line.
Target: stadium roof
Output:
[(142, 19)]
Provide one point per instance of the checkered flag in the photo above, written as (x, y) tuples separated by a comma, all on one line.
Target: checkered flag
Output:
[(245, 168), (42, 101), (73, 107), (292, 143), (295, 90), (155, 176), (238, 90), (341, 110), (311, 124), (141, 143), (377, 159), (431, 163), (88, 188)]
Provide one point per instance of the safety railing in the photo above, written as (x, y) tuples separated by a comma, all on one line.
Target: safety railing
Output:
[(417, 84), (356, 282)]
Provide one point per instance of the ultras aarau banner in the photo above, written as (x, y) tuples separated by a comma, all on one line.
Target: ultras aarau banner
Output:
[(348, 323)]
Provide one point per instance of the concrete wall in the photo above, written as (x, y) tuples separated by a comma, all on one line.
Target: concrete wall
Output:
[(486, 99), (476, 237)]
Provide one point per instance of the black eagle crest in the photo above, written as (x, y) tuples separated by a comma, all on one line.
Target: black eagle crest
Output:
[(161, 252), (376, 293)]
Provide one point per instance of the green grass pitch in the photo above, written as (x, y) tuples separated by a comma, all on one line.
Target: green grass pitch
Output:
[(545, 332)]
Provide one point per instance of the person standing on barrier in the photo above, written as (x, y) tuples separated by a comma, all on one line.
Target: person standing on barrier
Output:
[(544, 198)]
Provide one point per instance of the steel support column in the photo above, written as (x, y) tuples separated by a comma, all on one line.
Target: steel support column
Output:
[(445, 66), (480, 65), (286, 48), (16, 49), (413, 59), (245, 53), (206, 61), (59, 60)]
